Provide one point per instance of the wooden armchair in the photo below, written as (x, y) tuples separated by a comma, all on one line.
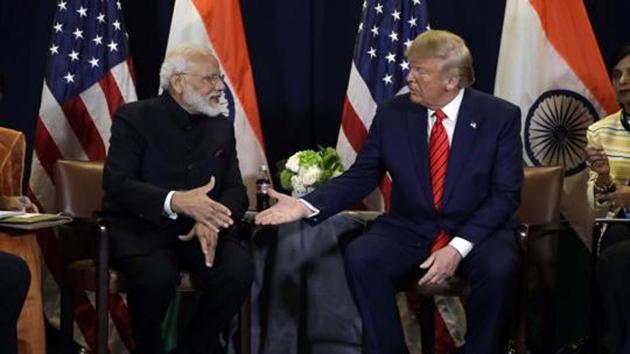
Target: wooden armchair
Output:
[(85, 247)]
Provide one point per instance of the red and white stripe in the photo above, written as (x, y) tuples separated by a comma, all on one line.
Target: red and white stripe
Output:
[(78, 129), (358, 112)]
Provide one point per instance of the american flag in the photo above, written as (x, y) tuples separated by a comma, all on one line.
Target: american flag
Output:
[(88, 76), (378, 73)]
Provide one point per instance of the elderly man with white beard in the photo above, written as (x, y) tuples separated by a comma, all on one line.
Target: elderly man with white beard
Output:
[(172, 178)]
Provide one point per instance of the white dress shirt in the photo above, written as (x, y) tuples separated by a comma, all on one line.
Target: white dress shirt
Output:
[(168, 211)]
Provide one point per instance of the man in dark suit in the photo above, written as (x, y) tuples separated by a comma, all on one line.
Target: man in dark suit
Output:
[(454, 155), (172, 174)]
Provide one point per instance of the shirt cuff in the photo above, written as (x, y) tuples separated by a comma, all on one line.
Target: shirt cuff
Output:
[(167, 206), (314, 211), (462, 246)]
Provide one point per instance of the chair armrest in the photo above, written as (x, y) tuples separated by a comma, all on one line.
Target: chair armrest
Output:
[(101, 221), (104, 217), (526, 231), (611, 220), (76, 241), (599, 236), (453, 286), (364, 216)]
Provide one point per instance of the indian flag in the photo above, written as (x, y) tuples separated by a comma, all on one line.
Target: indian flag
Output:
[(550, 65), (218, 25)]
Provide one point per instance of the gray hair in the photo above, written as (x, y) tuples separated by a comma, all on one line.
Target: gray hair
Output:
[(447, 47), (176, 61)]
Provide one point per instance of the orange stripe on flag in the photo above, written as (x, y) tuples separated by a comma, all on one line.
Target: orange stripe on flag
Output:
[(577, 45), (224, 25)]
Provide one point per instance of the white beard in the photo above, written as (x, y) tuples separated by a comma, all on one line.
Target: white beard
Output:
[(199, 104)]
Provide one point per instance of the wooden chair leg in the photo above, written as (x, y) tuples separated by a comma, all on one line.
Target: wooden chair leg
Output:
[(102, 320), (427, 331), (102, 291), (66, 320), (597, 319), (245, 329), (545, 248), (520, 342)]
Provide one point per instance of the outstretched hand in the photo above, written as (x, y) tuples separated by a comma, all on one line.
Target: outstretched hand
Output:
[(196, 204), (285, 210)]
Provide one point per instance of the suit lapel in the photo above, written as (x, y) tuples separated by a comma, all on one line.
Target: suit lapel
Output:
[(417, 127), (468, 123)]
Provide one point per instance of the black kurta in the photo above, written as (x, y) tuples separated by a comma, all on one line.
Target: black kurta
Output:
[(155, 147)]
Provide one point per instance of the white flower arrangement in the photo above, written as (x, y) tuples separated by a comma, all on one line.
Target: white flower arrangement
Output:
[(307, 169)]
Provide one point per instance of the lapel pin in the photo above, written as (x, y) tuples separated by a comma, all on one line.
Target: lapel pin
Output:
[(473, 125)]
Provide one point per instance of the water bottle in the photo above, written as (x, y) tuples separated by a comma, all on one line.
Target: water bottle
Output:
[(262, 185)]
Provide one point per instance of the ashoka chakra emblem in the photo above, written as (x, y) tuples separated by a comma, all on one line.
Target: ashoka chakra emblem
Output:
[(555, 130)]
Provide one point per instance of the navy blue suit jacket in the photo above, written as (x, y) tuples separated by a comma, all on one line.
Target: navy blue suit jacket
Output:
[(483, 179)]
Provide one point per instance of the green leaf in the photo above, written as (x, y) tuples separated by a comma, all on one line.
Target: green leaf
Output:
[(309, 158), (326, 158), (285, 179)]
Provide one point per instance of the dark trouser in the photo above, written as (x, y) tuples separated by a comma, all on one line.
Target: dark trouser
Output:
[(14, 282), (613, 274), (152, 281), (378, 265)]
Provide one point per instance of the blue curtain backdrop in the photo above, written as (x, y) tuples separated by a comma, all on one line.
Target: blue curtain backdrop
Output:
[(300, 52)]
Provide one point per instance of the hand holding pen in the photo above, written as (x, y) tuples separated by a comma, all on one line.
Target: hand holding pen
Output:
[(18, 203)]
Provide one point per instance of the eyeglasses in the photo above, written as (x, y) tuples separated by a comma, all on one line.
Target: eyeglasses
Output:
[(208, 79)]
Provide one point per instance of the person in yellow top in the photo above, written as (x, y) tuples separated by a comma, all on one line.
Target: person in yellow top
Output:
[(31, 336), (608, 155)]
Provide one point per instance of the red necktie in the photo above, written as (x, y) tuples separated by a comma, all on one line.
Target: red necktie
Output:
[(438, 161)]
